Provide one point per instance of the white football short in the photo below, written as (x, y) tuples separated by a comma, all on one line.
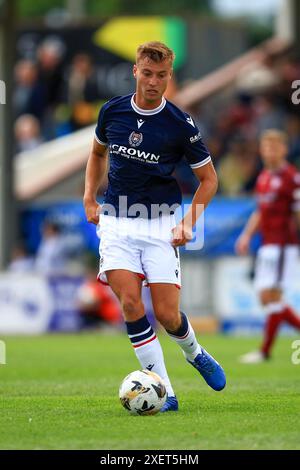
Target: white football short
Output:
[(275, 266), (142, 246)]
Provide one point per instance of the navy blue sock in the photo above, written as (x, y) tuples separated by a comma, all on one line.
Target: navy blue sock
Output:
[(140, 332), (185, 337), (183, 329)]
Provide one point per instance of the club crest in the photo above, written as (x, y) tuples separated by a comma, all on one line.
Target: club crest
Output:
[(135, 138)]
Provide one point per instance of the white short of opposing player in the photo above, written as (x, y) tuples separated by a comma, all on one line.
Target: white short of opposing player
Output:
[(142, 393), (139, 245), (275, 266)]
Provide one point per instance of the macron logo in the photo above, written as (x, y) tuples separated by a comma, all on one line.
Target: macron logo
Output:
[(140, 122), (190, 121)]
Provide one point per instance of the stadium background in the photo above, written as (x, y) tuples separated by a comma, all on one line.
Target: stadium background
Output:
[(60, 61)]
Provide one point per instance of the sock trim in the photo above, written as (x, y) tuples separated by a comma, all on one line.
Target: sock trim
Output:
[(181, 337), (140, 334), (135, 327), (142, 343)]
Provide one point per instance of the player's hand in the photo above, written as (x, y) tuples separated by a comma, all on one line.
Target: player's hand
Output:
[(242, 244), (92, 211), (182, 234)]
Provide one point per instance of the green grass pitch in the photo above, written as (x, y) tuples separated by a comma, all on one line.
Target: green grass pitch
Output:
[(61, 392)]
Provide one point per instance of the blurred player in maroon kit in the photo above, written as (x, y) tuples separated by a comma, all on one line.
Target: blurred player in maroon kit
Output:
[(277, 218)]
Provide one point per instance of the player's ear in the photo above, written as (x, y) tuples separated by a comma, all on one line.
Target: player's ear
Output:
[(134, 70)]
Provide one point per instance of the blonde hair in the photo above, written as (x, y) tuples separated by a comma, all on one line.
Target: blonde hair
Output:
[(275, 134), (156, 51)]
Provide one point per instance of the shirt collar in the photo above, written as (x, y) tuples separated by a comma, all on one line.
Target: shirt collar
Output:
[(148, 112)]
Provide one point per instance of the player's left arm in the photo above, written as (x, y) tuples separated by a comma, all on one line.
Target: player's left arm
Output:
[(208, 185)]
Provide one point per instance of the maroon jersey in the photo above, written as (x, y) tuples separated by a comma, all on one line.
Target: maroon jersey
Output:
[(278, 194)]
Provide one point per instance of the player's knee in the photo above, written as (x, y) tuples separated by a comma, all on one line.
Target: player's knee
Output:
[(132, 307)]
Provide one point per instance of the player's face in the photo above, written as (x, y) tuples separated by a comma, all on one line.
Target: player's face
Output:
[(151, 79), (273, 152)]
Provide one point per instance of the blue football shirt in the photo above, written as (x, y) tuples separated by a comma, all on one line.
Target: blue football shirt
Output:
[(144, 148)]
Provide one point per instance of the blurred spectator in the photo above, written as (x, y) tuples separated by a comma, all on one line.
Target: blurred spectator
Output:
[(256, 78), (21, 262), (52, 254), (240, 116), (269, 115), (50, 69), (27, 133), (83, 114), (97, 304), (215, 148), (50, 74), (81, 84), (29, 93), (293, 132), (238, 169), (250, 167), (80, 94)]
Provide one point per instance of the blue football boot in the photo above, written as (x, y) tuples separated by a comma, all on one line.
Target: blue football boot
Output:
[(171, 404), (210, 370)]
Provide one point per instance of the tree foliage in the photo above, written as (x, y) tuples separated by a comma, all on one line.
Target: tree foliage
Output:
[(35, 8), (138, 7), (38, 8)]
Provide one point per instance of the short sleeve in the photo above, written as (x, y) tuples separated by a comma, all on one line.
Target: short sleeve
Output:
[(100, 134), (296, 193), (194, 149)]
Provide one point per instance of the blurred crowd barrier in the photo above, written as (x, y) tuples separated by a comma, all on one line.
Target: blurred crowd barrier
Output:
[(219, 290), (33, 303), (223, 287)]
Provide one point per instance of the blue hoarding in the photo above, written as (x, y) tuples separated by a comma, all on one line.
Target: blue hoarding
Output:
[(223, 222)]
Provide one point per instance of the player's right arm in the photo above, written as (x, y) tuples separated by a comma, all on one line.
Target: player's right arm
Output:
[(95, 172), (252, 226)]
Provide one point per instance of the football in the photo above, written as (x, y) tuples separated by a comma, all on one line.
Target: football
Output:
[(142, 393)]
